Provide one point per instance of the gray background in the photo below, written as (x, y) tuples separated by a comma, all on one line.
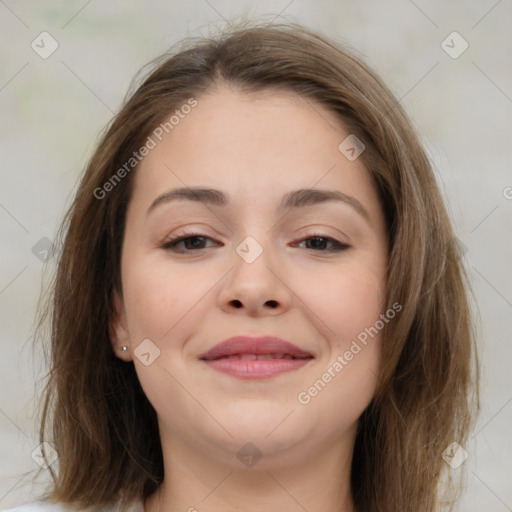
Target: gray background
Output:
[(53, 109)]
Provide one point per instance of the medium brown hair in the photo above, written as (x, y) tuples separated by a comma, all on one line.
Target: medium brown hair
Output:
[(103, 427)]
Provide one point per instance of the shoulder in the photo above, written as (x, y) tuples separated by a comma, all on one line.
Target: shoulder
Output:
[(43, 506), (38, 506)]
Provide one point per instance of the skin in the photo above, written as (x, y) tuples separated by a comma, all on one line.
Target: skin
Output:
[(254, 148)]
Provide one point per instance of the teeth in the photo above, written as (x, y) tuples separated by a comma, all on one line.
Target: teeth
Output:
[(263, 357), (260, 357), (247, 357)]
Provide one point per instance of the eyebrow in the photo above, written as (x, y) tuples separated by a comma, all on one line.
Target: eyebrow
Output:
[(294, 199)]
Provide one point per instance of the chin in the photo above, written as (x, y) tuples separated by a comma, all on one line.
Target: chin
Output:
[(269, 434)]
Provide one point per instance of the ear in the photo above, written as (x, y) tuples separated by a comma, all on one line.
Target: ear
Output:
[(118, 330)]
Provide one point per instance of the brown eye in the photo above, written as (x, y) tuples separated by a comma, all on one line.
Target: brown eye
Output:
[(191, 242), (318, 243)]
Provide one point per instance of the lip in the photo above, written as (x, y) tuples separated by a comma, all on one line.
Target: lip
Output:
[(226, 357), (248, 345)]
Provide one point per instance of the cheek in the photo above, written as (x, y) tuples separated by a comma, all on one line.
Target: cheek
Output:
[(346, 379), (349, 301), (159, 294), (345, 299)]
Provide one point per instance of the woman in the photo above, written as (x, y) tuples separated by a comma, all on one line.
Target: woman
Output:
[(259, 302)]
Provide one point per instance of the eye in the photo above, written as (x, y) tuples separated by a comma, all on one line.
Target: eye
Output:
[(319, 242), (192, 242), (195, 242)]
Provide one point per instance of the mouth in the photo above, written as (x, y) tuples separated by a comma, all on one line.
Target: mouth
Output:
[(259, 357), (255, 358)]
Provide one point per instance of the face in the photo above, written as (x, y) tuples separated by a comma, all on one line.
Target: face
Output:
[(311, 273)]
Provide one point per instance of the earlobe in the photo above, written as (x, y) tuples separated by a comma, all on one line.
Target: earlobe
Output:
[(119, 337)]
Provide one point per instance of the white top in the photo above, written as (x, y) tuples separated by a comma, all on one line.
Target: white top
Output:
[(42, 506)]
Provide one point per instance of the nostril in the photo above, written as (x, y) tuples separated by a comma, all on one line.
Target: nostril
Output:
[(238, 304)]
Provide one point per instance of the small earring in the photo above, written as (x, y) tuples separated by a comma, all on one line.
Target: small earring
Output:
[(124, 349)]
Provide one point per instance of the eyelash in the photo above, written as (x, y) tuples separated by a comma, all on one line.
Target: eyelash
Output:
[(171, 243)]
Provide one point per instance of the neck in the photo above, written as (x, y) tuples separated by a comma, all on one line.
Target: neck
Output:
[(194, 482)]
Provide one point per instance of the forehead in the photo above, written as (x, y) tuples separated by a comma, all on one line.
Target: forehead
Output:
[(256, 145)]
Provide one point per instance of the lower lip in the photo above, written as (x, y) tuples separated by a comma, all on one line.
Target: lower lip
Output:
[(255, 368)]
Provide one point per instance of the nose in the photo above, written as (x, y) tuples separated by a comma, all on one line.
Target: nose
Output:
[(256, 285)]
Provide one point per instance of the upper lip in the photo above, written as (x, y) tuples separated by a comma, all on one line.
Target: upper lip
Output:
[(254, 345)]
